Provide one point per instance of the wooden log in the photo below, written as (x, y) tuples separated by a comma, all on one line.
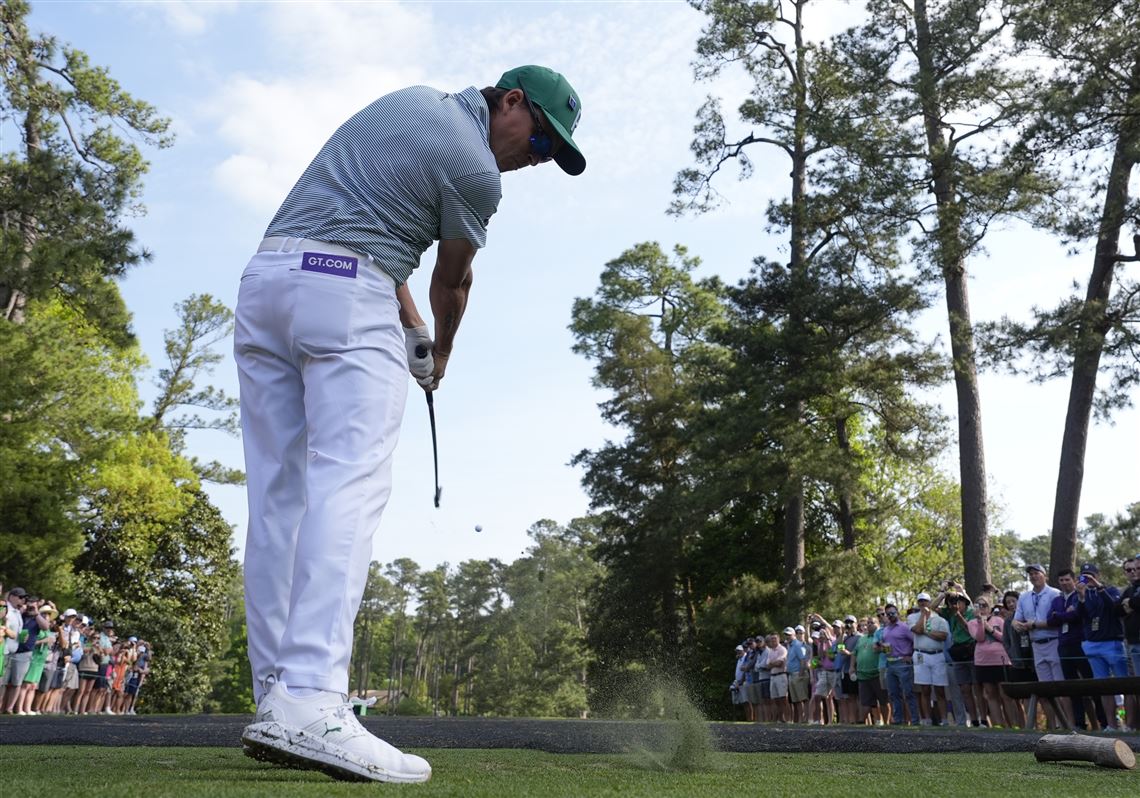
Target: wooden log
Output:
[(1102, 751)]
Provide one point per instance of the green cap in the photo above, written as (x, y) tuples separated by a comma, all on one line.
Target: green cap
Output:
[(559, 103)]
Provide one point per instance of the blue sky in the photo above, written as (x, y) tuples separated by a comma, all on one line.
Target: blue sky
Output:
[(254, 89)]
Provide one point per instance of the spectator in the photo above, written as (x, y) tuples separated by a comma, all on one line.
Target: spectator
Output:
[(777, 663), (122, 660), (72, 655), (139, 672), (848, 686), (21, 658), (958, 614), (930, 631), (990, 661), (1032, 616), (1104, 634), (88, 668), (826, 677), (1020, 652), (42, 641), (799, 674), (881, 622), (872, 696), (97, 698), (751, 688), (11, 622), (48, 689), (1074, 665), (739, 697), (762, 681), (1130, 616), (898, 645)]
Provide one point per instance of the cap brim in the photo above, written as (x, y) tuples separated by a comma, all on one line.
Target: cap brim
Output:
[(569, 157)]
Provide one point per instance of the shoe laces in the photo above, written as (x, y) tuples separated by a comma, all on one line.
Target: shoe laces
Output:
[(345, 713)]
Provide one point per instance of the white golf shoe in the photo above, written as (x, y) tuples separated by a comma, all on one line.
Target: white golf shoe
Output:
[(321, 732)]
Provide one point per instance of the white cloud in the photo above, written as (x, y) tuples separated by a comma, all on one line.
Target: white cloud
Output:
[(189, 18), (329, 61)]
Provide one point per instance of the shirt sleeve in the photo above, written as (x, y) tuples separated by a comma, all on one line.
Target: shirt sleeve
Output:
[(467, 205)]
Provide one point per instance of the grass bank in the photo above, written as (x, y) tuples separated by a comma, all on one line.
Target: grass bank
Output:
[(226, 773)]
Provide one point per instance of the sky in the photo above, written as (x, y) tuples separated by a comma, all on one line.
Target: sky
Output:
[(254, 89)]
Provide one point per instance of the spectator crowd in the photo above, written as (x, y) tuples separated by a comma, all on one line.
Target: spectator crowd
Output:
[(944, 659), (54, 663)]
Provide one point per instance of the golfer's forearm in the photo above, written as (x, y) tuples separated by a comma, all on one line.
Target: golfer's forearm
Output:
[(409, 314), (450, 287)]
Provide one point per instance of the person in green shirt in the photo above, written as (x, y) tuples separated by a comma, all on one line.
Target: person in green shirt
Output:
[(955, 607), (872, 696)]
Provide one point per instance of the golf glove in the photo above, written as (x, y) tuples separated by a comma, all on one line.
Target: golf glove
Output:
[(418, 342)]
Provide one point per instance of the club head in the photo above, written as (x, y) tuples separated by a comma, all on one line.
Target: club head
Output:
[(438, 491)]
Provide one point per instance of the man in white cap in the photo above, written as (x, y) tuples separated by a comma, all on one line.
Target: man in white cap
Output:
[(325, 334), (930, 633)]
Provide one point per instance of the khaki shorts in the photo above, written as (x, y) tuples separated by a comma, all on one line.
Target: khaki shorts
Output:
[(799, 686), (779, 688), (71, 677)]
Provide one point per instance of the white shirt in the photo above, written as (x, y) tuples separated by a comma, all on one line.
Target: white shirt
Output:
[(1032, 606), (14, 622), (935, 623)]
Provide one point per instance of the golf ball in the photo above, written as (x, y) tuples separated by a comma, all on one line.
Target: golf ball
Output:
[(478, 527)]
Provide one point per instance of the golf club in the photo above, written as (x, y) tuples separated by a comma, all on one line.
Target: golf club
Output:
[(421, 352)]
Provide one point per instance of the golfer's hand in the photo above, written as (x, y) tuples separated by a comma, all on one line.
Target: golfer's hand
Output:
[(439, 366), (421, 363)]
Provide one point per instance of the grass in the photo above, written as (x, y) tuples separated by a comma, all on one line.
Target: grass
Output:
[(226, 773)]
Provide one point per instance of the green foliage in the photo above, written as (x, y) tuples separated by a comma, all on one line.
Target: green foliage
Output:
[(65, 193), (1087, 122), (648, 331), (98, 504), (67, 395), (159, 561), (1108, 542), (483, 638), (190, 355), (229, 674)]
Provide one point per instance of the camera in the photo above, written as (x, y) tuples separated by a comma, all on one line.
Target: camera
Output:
[(1083, 579)]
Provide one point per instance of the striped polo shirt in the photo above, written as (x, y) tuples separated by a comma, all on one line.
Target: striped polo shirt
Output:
[(413, 167)]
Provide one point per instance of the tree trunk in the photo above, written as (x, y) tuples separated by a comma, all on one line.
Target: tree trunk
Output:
[(1090, 342), (951, 257), (13, 300), (846, 515), (794, 559)]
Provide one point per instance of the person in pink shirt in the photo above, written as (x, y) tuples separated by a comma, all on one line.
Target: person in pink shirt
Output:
[(990, 659)]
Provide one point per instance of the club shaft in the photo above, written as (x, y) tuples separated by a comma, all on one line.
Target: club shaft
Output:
[(434, 445)]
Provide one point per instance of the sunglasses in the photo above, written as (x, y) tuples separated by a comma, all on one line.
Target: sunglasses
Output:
[(541, 144)]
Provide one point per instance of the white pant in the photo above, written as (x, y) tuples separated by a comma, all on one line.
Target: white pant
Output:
[(323, 376)]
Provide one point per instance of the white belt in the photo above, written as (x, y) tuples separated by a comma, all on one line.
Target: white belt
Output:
[(291, 244)]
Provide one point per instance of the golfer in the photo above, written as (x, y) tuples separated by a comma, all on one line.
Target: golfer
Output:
[(325, 336)]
